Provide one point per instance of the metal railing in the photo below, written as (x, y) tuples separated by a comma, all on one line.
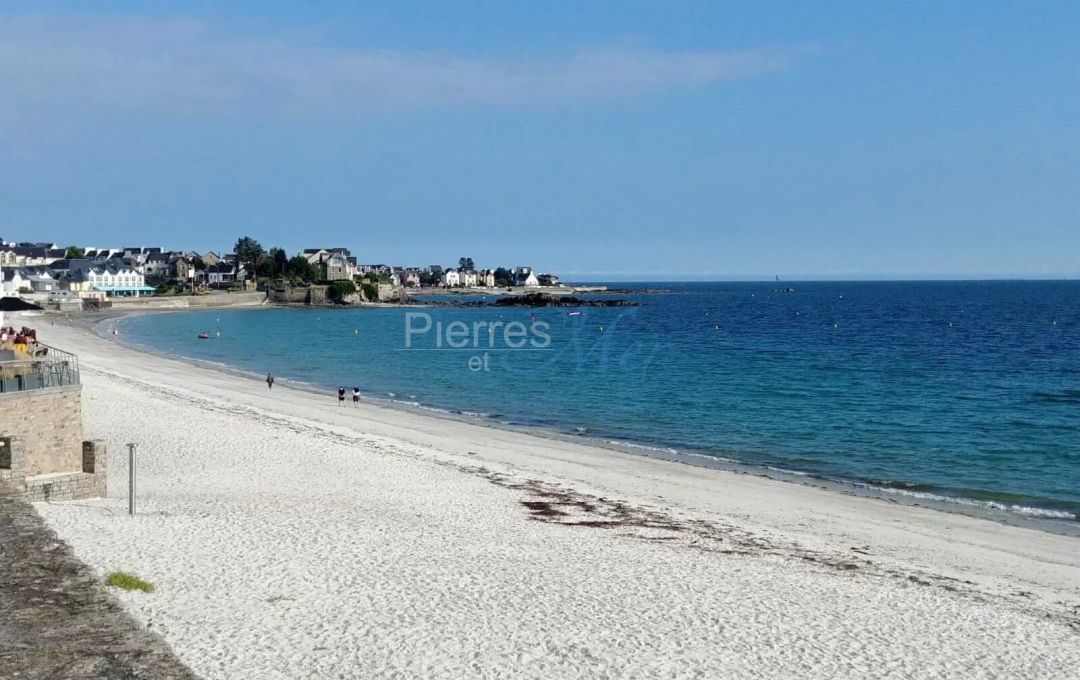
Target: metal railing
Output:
[(46, 367)]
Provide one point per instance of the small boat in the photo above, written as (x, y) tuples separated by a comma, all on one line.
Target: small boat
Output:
[(574, 314), (204, 336)]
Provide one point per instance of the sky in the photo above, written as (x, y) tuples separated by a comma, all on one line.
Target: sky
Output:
[(601, 140)]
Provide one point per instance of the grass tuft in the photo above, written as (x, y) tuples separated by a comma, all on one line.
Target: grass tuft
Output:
[(120, 579)]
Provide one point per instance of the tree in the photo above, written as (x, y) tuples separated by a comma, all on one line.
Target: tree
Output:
[(278, 260), (248, 251), (465, 263), (74, 253), (503, 277), (299, 269), (197, 263), (339, 290)]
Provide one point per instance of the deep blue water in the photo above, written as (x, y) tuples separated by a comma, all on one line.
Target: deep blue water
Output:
[(960, 389)]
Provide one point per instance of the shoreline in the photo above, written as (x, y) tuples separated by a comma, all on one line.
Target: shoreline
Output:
[(288, 537), (1027, 517)]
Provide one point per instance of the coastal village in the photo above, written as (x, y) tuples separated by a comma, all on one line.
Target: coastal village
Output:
[(84, 277)]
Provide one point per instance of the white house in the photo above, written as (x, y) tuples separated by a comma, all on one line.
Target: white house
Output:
[(451, 278), (112, 279), (13, 280), (117, 279), (524, 276), (468, 278)]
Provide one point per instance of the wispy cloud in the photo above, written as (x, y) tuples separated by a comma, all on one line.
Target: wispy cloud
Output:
[(188, 67)]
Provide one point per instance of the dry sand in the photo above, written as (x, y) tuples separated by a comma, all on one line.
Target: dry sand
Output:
[(291, 538)]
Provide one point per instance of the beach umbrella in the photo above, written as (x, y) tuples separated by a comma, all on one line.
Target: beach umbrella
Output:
[(14, 304)]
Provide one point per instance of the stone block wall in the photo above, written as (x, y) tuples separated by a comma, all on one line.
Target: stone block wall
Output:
[(87, 481), (48, 423), (42, 453)]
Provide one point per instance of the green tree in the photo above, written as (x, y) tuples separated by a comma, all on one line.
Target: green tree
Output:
[(74, 253), (465, 263), (197, 263), (300, 270), (248, 251), (339, 290), (278, 262), (503, 277)]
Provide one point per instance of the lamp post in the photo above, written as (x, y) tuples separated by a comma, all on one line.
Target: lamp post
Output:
[(131, 478)]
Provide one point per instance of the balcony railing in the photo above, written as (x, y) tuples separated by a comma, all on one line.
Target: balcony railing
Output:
[(47, 367)]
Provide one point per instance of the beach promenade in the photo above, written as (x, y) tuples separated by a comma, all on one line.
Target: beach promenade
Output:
[(291, 538)]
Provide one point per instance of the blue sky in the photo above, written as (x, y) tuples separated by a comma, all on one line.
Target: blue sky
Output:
[(632, 140)]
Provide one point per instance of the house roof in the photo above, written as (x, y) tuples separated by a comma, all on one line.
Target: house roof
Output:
[(340, 251), (31, 251)]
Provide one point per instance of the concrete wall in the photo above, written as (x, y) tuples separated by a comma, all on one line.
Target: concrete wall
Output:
[(186, 301), (299, 295), (49, 424), (293, 295)]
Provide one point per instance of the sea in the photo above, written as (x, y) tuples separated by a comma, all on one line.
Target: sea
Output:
[(954, 392)]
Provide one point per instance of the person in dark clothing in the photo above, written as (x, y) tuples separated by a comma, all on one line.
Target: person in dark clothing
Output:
[(341, 396), (355, 396), (270, 381)]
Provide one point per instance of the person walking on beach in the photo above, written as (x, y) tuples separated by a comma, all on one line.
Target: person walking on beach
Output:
[(356, 396), (269, 381), (341, 396)]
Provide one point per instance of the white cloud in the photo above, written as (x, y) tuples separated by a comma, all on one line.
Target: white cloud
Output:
[(187, 67)]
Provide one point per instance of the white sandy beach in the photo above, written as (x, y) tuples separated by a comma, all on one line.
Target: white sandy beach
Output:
[(291, 538)]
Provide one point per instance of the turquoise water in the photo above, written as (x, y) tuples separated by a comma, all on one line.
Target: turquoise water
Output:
[(963, 390)]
